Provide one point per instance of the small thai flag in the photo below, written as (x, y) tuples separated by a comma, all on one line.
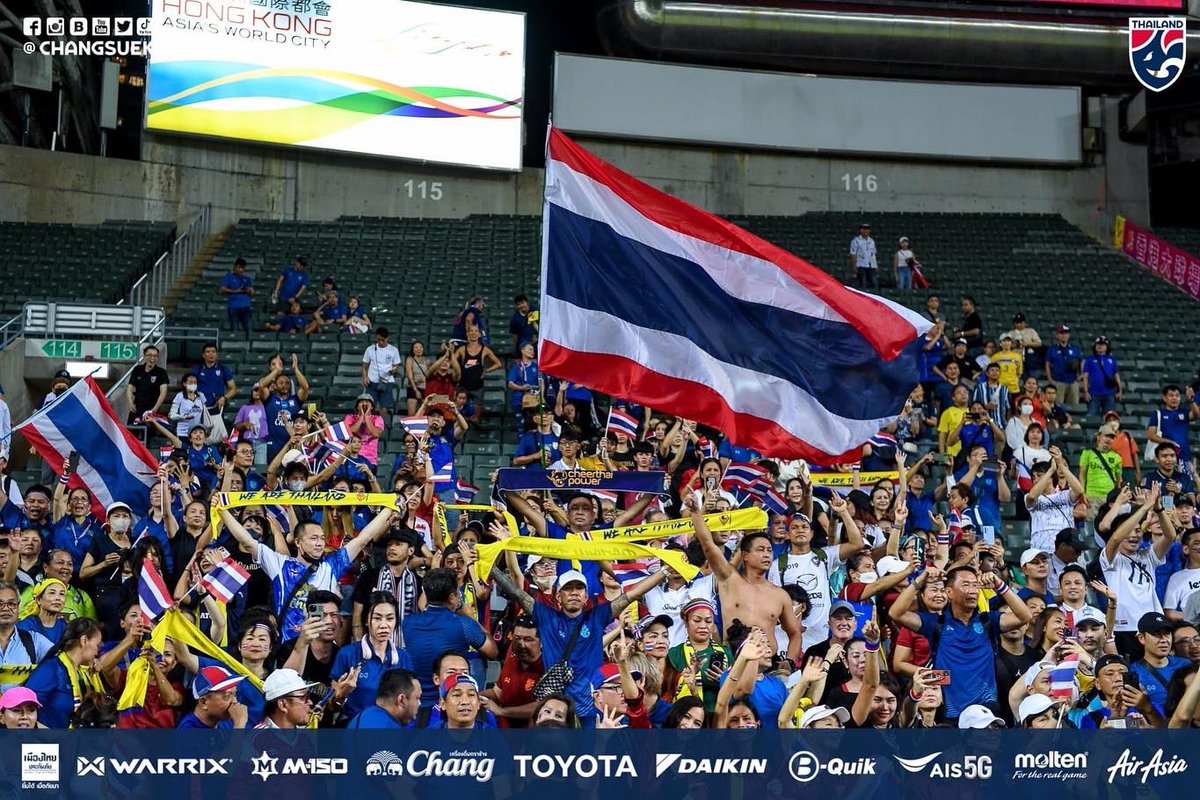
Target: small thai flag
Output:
[(743, 476), (774, 502), (280, 515), (444, 473), (619, 422), (708, 448), (464, 492), (336, 433), (234, 438), (603, 495), (759, 488), (630, 572), (225, 579), (1062, 678), (153, 596), (325, 454), (417, 426)]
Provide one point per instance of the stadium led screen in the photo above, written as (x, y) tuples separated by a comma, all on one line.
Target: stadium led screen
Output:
[(382, 77)]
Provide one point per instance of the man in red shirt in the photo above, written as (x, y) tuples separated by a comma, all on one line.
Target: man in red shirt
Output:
[(512, 699)]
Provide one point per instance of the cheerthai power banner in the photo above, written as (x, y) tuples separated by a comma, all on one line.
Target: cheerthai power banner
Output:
[(382, 77), (512, 479)]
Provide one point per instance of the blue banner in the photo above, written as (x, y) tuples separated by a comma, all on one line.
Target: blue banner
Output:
[(512, 479), (549, 765)]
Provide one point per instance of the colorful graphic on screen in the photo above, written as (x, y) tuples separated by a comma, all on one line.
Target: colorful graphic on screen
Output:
[(381, 77)]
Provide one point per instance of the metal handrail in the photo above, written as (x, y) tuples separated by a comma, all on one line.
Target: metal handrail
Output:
[(151, 289)]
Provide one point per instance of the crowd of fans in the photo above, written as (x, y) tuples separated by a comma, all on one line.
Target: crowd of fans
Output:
[(894, 604)]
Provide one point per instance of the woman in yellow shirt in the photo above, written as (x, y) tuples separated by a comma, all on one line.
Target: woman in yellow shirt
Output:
[(1012, 364)]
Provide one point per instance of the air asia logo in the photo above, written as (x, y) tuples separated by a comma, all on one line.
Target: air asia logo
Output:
[(708, 766), (584, 766), (968, 769), (1129, 767), (431, 763), (39, 766), (152, 766), (1051, 766), (804, 766), (267, 766), (1157, 50)]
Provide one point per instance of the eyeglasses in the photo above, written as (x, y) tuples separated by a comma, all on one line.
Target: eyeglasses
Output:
[(1188, 641), (9, 603)]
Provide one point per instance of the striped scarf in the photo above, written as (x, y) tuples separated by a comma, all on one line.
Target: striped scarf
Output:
[(405, 594)]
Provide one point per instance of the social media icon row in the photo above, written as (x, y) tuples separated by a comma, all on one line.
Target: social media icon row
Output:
[(85, 26)]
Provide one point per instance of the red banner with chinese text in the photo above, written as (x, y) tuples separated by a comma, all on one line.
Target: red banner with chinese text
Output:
[(1160, 257)]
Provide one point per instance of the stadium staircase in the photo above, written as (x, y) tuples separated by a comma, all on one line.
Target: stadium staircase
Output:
[(415, 275)]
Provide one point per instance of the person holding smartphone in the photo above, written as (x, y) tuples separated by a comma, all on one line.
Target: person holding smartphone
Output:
[(694, 666)]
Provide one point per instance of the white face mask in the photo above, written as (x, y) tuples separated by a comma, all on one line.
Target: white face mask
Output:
[(190, 387), (1026, 408), (119, 524), (867, 577), (296, 486)]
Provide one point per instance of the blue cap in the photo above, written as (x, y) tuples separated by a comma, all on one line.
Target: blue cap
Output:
[(214, 679)]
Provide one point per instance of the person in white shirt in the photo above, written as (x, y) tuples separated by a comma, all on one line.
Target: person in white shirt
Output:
[(1186, 582), (380, 363), (1067, 550), (187, 409), (568, 449), (863, 262), (1050, 507), (810, 569), (669, 598), (1130, 572), (5, 427), (904, 266)]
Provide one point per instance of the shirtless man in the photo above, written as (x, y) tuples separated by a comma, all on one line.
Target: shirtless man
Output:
[(751, 598)]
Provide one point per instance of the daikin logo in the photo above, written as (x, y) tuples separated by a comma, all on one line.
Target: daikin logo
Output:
[(708, 766)]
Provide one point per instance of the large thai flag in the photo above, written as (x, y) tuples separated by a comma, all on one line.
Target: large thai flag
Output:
[(648, 298), (113, 464)]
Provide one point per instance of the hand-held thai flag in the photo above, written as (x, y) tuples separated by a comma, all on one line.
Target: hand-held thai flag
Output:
[(225, 580), (417, 426), (444, 474), (113, 463), (1062, 678), (336, 433), (774, 502), (464, 492), (731, 360), (603, 495), (620, 422), (744, 477), (630, 572), (153, 596)]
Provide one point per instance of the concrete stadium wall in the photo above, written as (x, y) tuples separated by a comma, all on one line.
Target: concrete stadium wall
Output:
[(178, 175)]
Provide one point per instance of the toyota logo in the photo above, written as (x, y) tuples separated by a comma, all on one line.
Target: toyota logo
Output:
[(804, 766)]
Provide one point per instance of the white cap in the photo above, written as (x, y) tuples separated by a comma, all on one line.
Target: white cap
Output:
[(1033, 705), (1030, 554), (817, 713), (531, 561), (292, 456), (283, 682), (977, 716), (117, 505), (570, 576), (1087, 614), (1032, 673), (890, 565)]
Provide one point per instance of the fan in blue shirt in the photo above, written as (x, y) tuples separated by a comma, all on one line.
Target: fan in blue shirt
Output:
[(291, 283), (1170, 423)]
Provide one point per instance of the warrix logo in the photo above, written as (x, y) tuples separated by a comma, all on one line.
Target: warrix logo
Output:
[(708, 766), (152, 766)]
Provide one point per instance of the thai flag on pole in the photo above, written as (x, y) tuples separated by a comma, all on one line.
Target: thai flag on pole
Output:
[(603, 495), (744, 477), (619, 422), (417, 426), (113, 464), (464, 492), (1062, 678), (324, 454), (153, 596), (444, 474), (774, 502), (648, 298), (225, 579), (630, 572), (336, 433)]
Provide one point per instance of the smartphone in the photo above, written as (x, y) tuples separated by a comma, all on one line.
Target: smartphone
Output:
[(73, 461), (989, 535), (311, 409), (919, 545), (710, 484), (315, 611), (1168, 502), (717, 661), (1131, 679), (938, 677), (1116, 723)]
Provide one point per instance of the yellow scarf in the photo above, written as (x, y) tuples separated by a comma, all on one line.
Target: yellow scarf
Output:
[(80, 678), (580, 550)]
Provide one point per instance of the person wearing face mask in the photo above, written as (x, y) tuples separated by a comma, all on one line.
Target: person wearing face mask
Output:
[(102, 564), (187, 409), (58, 387), (1014, 431)]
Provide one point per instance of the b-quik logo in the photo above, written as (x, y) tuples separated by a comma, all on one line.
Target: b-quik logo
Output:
[(267, 766), (804, 766), (969, 768), (433, 764), (39, 766)]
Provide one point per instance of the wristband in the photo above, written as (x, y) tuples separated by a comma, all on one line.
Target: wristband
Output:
[(64, 479), (871, 648), (913, 696), (1001, 589), (943, 538)]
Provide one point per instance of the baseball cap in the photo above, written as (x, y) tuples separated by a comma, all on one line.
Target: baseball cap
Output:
[(1032, 553), (1018, 317), (1088, 615), (1107, 429), (904, 238), (283, 682), (1067, 537), (977, 716), (890, 565), (610, 673), (1101, 340), (817, 713), (454, 679), (864, 224), (117, 505), (214, 679), (1154, 622), (1030, 675), (1111, 415), (18, 696), (1107, 660), (960, 340), (841, 605), (1063, 329), (62, 373), (1033, 705), (531, 561), (570, 576), (661, 619)]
